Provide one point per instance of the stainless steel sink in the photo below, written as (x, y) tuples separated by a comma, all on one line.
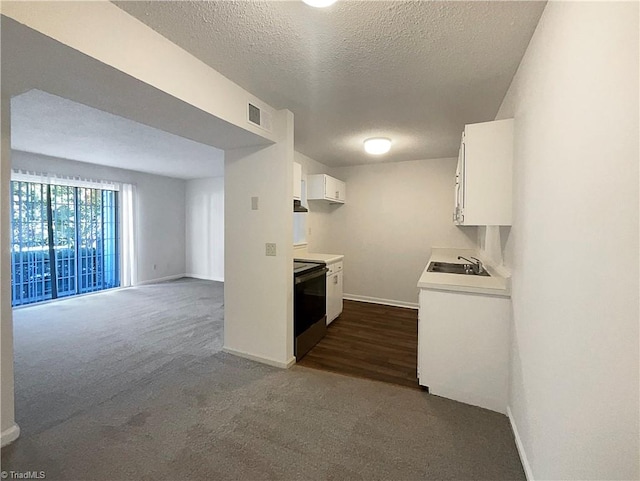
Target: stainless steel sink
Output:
[(451, 268)]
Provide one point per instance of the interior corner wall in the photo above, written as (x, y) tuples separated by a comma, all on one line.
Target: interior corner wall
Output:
[(7, 411), (258, 293), (205, 228), (319, 226), (394, 214), (159, 204), (573, 247)]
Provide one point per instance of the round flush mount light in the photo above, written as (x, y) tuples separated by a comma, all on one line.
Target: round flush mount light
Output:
[(319, 3), (377, 145)]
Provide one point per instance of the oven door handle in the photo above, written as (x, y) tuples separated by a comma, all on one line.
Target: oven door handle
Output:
[(312, 275)]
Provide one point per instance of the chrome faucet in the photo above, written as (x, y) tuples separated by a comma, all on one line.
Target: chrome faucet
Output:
[(476, 264)]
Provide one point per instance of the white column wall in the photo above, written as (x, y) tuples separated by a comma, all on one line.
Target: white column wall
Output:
[(10, 430), (258, 294)]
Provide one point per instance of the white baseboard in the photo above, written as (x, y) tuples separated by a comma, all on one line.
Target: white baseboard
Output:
[(160, 279), (9, 435), (263, 360), (377, 300), (520, 446), (205, 278)]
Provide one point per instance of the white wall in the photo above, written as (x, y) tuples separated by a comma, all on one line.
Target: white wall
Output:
[(8, 428), (395, 212), (258, 294), (319, 225), (205, 228), (160, 210), (574, 246)]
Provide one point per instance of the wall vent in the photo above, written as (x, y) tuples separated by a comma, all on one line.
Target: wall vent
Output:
[(259, 117)]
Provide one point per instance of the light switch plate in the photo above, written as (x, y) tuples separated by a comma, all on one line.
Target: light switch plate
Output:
[(254, 203), (270, 249)]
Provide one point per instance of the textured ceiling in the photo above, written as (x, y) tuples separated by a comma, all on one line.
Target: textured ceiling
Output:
[(413, 71), (50, 125)]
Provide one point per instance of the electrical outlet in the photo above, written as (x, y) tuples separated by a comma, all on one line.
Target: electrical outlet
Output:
[(270, 249), (254, 203)]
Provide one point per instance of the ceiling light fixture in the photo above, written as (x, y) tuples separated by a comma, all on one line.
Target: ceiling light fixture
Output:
[(377, 145), (319, 3)]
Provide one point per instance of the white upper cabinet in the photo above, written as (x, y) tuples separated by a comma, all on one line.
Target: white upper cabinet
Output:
[(484, 174), (297, 181), (325, 187)]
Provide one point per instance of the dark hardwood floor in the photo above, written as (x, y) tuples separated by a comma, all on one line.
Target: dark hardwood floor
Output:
[(371, 341)]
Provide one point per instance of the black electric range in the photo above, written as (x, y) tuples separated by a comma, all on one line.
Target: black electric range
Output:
[(309, 306)]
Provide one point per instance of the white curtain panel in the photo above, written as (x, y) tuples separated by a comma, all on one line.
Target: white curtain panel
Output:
[(128, 276)]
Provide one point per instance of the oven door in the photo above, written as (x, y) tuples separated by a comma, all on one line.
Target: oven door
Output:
[(310, 300)]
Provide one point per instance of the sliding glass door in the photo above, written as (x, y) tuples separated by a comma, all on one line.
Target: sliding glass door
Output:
[(30, 270), (63, 213), (77, 227)]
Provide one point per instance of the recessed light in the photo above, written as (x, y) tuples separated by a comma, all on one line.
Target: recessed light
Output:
[(319, 3), (377, 146)]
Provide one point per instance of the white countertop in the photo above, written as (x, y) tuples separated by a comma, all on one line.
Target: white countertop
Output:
[(499, 284), (315, 257)]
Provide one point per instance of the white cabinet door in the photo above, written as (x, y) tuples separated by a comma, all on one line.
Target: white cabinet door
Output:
[(335, 189), (297, 181), (458, 212), (483, 177), (325, 187), (334, 296), (341, 190), (329, 186), (463, 347)]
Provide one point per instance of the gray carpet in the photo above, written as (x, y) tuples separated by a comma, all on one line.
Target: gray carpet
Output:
[(131, 384)]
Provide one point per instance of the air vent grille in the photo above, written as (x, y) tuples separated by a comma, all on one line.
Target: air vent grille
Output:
[(259, 118), (254, 115)]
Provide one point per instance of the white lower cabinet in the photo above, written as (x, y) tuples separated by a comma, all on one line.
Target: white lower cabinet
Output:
[(334, 291), (463, 347)]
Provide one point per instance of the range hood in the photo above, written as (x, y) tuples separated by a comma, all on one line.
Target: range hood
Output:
[(298, 207)]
